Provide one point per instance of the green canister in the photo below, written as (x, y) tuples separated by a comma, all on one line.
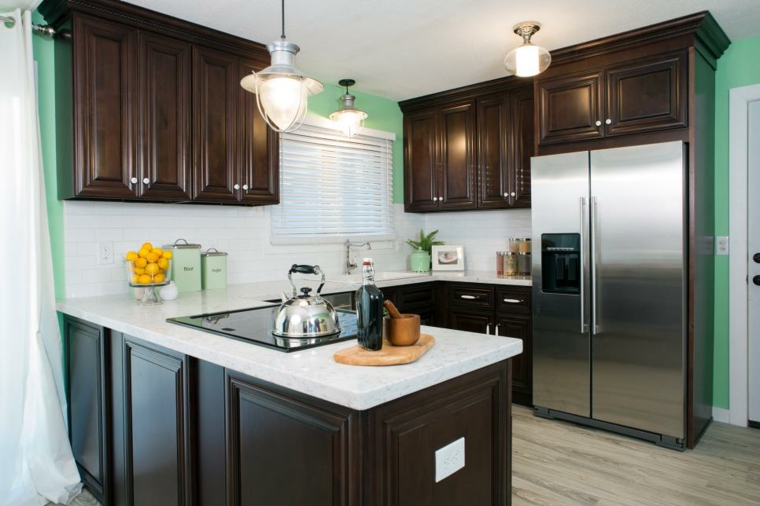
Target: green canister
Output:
[(186, 265), (214, 269)]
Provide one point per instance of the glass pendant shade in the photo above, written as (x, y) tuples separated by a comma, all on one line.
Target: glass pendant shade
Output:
[(528, 59), (348, 119), (282, 91)]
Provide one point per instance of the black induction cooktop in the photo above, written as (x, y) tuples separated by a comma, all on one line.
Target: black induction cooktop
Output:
[(255, 326)]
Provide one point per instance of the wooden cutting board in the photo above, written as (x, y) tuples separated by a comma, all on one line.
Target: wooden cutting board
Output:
[(388, 355)]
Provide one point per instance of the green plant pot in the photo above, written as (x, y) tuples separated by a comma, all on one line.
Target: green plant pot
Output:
[(420, 261)]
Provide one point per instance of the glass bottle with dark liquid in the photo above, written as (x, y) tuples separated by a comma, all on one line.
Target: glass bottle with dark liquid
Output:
[(369, 310)]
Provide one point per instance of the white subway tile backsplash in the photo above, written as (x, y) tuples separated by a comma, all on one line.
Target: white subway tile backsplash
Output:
[(243, 233)]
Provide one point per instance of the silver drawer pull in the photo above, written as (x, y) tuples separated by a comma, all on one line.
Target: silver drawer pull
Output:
[(514, 301), (468, 297)]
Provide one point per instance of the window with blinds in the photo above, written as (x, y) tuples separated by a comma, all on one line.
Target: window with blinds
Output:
[(333, 187)]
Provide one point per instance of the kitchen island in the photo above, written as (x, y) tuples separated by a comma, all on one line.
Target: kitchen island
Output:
[(161, 414)]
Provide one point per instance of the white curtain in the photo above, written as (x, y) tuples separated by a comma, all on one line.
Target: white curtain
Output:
[(36, 463)]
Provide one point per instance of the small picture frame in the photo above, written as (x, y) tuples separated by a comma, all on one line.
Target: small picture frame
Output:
[(448, 258)]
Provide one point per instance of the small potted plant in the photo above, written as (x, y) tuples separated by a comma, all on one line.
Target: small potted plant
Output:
[(420, 259)]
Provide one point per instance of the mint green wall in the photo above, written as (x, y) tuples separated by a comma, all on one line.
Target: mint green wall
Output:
[(737, 67), (43, 55), (384, 115)]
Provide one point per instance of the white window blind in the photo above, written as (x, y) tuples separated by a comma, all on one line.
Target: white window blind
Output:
[(333, 187)]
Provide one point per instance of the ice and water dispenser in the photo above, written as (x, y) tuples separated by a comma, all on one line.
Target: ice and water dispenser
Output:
[(561, 263)]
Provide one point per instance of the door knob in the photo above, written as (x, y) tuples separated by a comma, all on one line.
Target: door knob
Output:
[(237, 187), (245, 187), (756, 280), (756, 258), (146, 181), (133, 180), (598, 123), (608, 121)]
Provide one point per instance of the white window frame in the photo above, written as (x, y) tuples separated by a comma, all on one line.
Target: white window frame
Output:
[(284, 241)]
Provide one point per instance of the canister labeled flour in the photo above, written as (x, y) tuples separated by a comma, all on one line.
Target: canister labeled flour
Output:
[(186, 265)]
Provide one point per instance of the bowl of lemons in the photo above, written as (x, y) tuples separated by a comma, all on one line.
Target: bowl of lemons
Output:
[(147, 268)]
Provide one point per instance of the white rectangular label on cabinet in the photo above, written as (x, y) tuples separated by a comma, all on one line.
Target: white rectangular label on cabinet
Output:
[(449, 459)]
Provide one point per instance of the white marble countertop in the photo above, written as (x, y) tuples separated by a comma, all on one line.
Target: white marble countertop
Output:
[(313, 371)]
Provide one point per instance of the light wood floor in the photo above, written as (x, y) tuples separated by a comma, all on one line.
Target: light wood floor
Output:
[(558, 463)]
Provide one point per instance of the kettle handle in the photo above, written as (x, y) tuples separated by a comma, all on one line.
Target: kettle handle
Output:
[(305, 269)]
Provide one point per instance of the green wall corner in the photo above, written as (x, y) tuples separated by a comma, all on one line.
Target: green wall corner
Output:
[(737, 67)]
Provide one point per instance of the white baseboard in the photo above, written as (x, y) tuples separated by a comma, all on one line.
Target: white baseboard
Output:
[(720, 415)]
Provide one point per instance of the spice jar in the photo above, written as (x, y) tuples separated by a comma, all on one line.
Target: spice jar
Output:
[(524, 261), (525, 246), (510, 263), (500, 262), (514, 244)]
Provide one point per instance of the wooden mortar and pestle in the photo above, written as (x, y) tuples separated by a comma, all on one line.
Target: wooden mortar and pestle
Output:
[(400, 329)]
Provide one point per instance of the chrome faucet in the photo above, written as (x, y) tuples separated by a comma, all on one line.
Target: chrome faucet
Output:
[(351, 264)]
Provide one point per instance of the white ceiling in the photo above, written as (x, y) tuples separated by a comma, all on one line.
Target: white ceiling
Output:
[(401, 49)]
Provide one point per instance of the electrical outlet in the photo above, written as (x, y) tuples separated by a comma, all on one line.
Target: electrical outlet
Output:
[(721, 245), (105, 253), (399, 245), (449, 459)]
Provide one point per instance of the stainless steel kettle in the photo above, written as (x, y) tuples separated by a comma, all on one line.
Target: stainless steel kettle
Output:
[(306, 316)]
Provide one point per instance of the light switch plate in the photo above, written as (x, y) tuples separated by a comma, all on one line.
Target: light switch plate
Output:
[(721, 245), (449, 459)]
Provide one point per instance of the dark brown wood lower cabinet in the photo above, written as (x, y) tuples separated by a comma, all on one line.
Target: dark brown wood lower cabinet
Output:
[(519, 327)]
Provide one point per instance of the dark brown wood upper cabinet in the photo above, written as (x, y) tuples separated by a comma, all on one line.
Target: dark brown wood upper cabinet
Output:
[(633, 97), (258, 146), (469, 153), (456, 149), (647, 95), (570, 108), (157, 110), (420, 154), (215, 111), (104, 114), (164, 68)]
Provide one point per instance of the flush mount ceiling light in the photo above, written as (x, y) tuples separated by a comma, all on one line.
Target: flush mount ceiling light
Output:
[(348, 119), (528, 59), (282, 91)]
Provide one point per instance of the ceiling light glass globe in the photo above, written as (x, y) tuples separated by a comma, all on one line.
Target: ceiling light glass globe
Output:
[(283, 100), (527, 60), (349, 122)]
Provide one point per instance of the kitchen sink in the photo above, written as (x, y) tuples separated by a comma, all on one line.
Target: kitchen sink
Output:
[(379, 276)]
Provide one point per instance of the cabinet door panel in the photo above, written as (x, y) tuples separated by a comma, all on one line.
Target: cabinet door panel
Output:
[(519, 327), (469, 321), (88, 410), (457, 184), (156, 426), (493, 161), (258, 146), (215, 101), (647, 95), (165, 78), (420, 171), (522, 116), (104, 92), (266, 432), (569, 108)]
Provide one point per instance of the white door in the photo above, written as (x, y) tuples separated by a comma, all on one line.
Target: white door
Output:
[(753, 269)]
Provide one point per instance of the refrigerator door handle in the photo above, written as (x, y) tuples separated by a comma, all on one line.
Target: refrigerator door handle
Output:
[(597, 329), (584, 325)]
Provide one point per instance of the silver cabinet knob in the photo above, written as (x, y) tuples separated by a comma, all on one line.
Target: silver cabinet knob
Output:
[(133, 180), (237, 186), (146, 180), (598, 123), (512, 194), (245, 187), (506, 194), (608, 121)]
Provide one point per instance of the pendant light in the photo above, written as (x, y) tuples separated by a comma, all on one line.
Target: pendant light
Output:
[(349, 119), (282, 91), (528, 59)]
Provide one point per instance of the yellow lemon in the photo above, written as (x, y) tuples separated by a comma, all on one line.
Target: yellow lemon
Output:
[(152, 258), (143, 252), (135, 279), (157, 251), (145, 279), (163, 263), (159, 278), (139, 271), (131, 256), (152, 269), (146, 245), (141, 263), (167, 254)]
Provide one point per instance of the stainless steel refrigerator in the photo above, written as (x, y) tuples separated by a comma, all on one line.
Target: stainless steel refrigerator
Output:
[(609, 289)]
